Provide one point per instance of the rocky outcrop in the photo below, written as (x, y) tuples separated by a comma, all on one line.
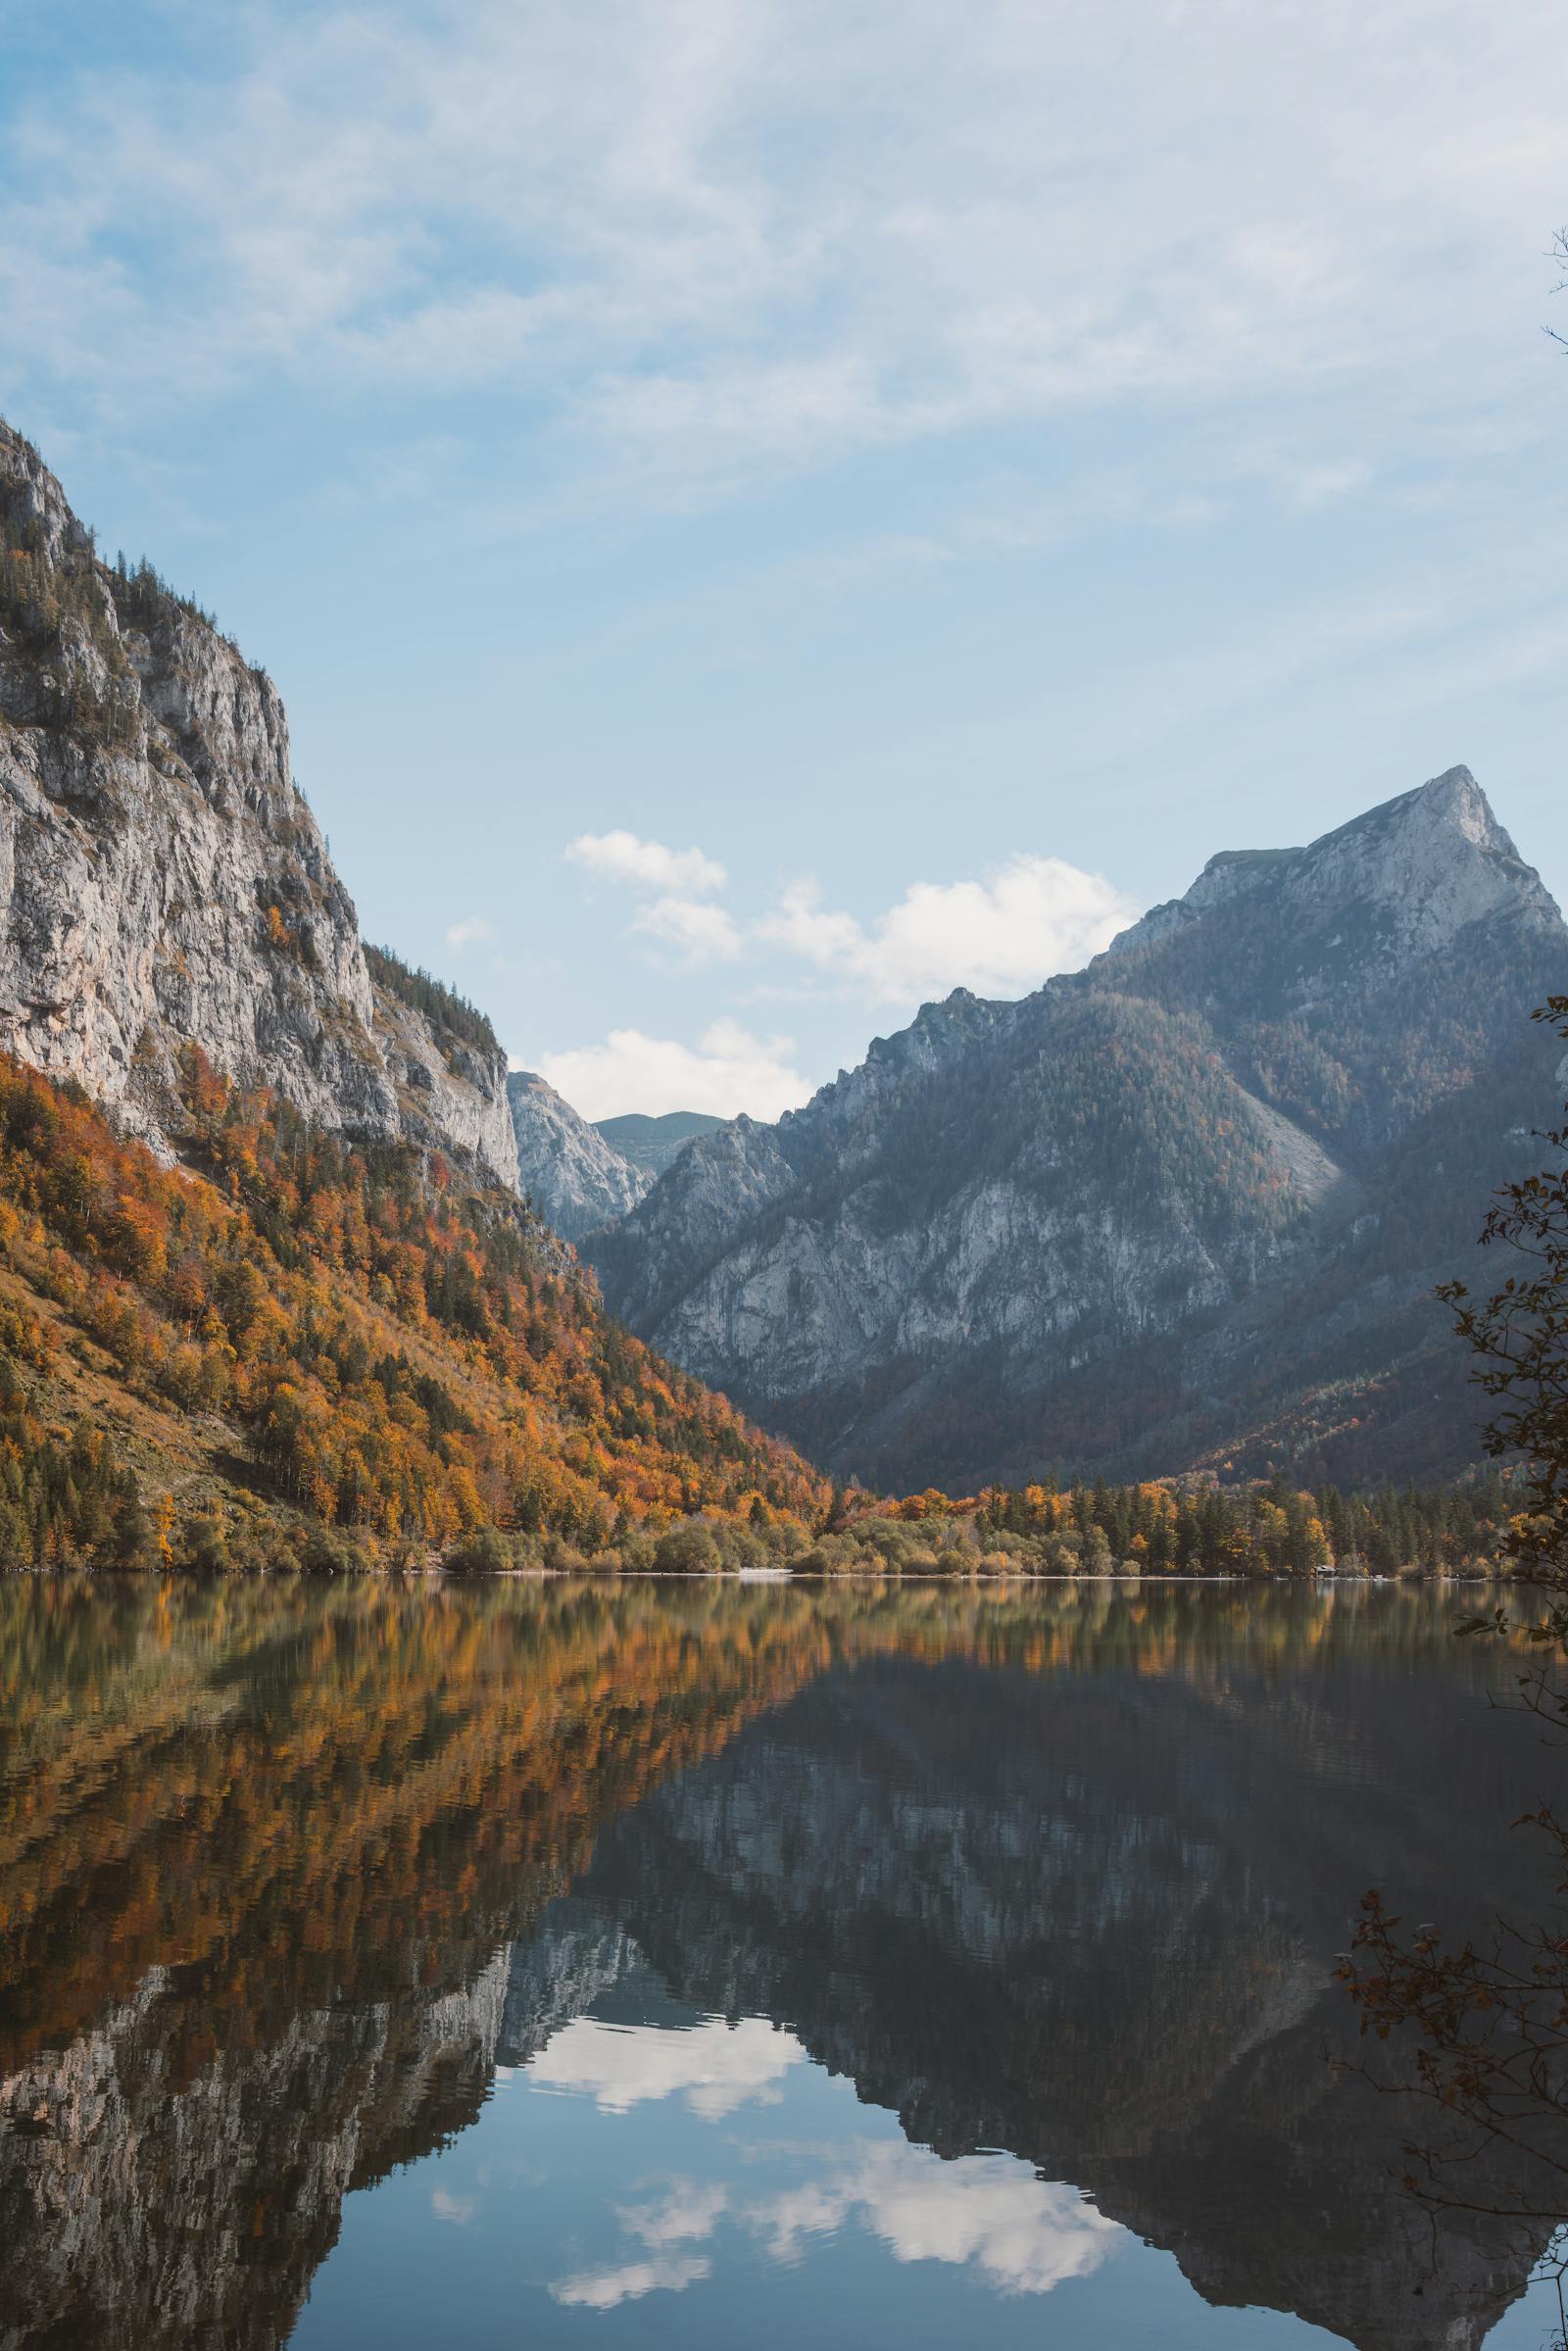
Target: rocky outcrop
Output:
[(574, 1177), (163, 882), (1187, 1206)]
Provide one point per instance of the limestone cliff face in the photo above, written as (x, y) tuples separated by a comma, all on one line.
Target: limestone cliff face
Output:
[(577, 1180), (1183, 1205), (161, 881)]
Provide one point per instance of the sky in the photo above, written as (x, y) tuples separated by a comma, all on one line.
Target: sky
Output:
[(761, 515)]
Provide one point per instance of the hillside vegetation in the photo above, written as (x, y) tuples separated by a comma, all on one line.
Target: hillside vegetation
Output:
[(295, 1347)]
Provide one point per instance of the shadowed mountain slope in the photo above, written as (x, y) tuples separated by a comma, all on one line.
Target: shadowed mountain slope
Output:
[(1185, 1206)]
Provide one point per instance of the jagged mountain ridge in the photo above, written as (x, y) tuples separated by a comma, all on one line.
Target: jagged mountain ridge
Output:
[(576, 1178), (582, 1175), (162, 880), (1186, 1205)]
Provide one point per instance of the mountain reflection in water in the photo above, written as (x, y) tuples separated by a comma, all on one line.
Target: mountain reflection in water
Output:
[(867, 1962)]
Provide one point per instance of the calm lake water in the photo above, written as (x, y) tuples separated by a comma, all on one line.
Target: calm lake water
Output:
[(717, 1964)]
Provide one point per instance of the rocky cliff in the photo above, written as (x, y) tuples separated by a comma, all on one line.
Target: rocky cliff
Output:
[(576, 1178), (161, 881), (1187, 1206)]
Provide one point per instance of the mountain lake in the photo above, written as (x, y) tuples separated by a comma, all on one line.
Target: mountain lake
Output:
[(387, 1963)]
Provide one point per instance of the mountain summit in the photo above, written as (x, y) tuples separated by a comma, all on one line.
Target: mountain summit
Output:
[(1187, 1206)]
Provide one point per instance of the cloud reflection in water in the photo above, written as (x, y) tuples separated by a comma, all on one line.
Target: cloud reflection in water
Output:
[(987, 2212)]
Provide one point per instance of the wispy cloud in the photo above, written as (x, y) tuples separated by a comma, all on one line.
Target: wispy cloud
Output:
[(687, 2212), (630, 2280), (679, 913), (703, 933), (446, 2207), (714, 2066), (987, 2212), (730, 234), (621, 856), (472, 931)]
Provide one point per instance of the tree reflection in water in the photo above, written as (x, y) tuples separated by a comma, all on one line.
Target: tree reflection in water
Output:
[(1056, 1874)]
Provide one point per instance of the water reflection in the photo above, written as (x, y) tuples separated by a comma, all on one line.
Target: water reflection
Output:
[(715, 2066), (872, 1942)]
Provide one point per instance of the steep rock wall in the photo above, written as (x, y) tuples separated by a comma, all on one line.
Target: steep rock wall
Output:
[(163, 882)]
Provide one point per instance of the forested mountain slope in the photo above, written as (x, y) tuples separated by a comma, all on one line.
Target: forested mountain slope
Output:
[(268, 1289), (291, 1346), (1185, 1206)]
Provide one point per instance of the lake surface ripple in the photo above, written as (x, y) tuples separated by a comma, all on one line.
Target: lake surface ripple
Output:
[(592, 1964)]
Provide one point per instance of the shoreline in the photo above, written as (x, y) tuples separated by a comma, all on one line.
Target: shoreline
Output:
[(436, 1573)]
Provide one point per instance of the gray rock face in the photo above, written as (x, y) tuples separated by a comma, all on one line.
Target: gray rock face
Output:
[(1187, 1205), (163, 883), (576, 1178)]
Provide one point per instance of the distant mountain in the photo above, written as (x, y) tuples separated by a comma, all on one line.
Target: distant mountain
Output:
[(581, 1176), (573, 1173), (655, 1143), (1185, 1206)]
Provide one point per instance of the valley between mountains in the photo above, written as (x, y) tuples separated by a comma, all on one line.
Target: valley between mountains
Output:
[(289, 1248)]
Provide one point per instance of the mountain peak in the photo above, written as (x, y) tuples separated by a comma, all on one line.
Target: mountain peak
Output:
[(1428, 863), (1451, 803), (1183, 1205)]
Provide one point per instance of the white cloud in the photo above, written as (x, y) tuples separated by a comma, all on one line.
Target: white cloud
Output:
[(727, 1071), (703, 932), (621, 856), (1305, 481), (684, 880), (1001, 936), (604, 2289), (472, 931), (688, 2213), (988, 2212), (715, 2066)]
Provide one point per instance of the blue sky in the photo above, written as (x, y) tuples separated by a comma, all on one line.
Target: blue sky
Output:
[(763, 514)]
